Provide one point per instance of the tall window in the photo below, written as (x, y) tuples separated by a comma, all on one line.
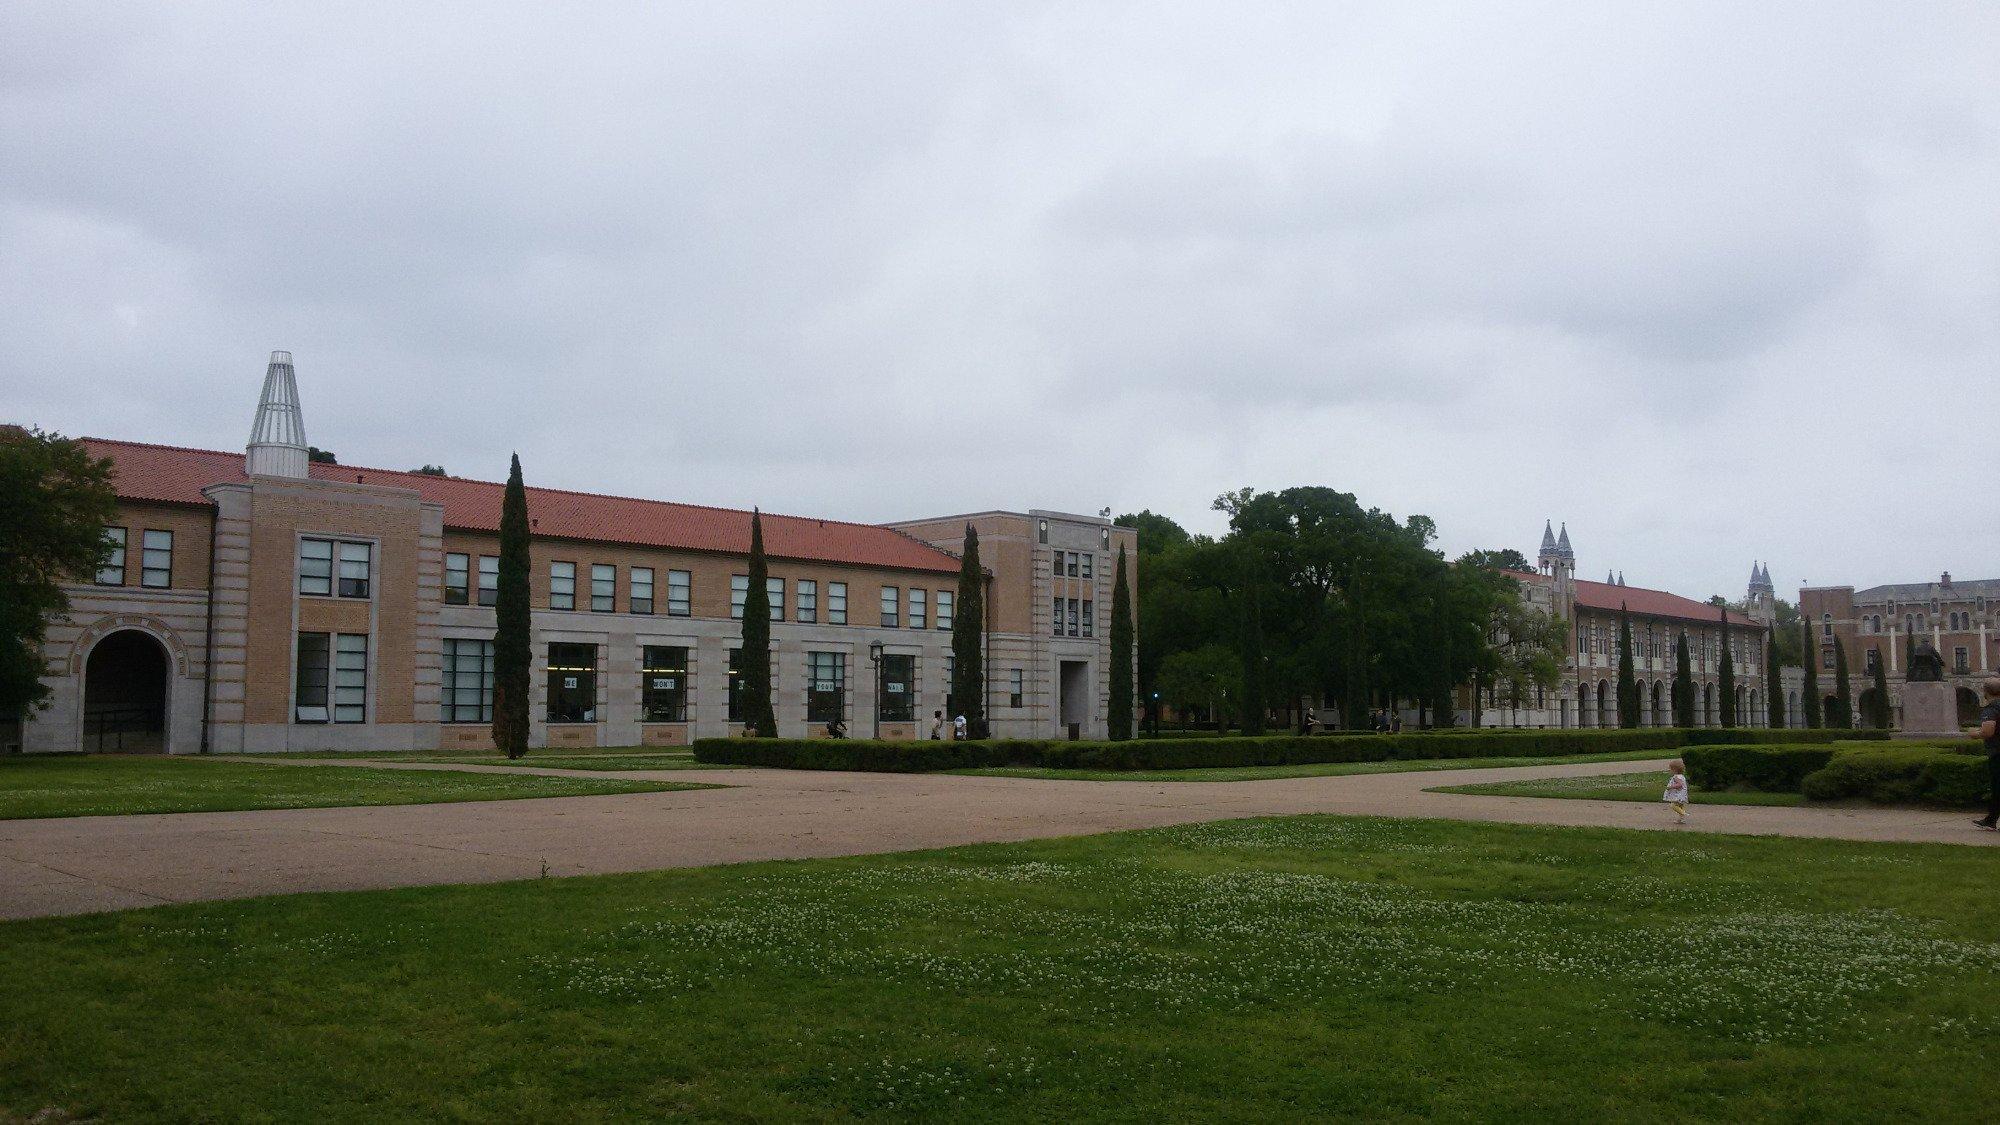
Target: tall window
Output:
[(944, 608), (739, 589), (1056, 567), (489, 579), (112, 571), (1016, 689), (891, 612), (663, 684), (1826, 626), (836, 603), (898, 701), (680, 593), (603, 588), (1873, 658), (316, 567), (572, 683), (156, 559), (1073, 617), (735, 685), (1959, 661), (354, 560), (1042, 531), (1089, 623), (1071, 568), (805, 601), (346, 656), (468, 681), (562, 585), (457, 579), (1056, 615), (1087, 564), (826, 686), (918, 610), (774, 596), (640, 596)]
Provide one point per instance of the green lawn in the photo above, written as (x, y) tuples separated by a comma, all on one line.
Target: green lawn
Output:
[(94, 785), (1323, 769), (1618, 787), (593, 758), (1286, 969)]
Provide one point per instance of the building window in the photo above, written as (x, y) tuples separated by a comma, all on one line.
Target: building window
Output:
[(639, 598), (1959, 661), (805, 601), (1104, 537), (562, 585), (1087, 565), (468, 681), (1089, 623), (489, 579), (945, 599), (1871, 659), (680, 593), (739, 589), (918, 610), (1042, 532), (836, 603), (316, 567), (1826, 658), (826, 686), (1073, 617), (350, 678), (898, 702), (1070, 565), (1056, 615), (603, 588), (310, 684), (156, 559), (663, 684), (1826, 626), (457, 579), (354, 560), (572, 683), (890, 613), (1016, 688), (111, 572), (774, 596), (1056, 566)]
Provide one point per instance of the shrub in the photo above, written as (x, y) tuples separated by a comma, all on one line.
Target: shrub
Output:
[(1764, 736), (1900, 776), (1770, 768), (850, 754)]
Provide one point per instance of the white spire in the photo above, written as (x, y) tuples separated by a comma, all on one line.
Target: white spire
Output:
[(278, 438)]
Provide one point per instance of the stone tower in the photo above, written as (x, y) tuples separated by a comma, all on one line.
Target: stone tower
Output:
[(1558, 561), (278, 438), (1763, 596)]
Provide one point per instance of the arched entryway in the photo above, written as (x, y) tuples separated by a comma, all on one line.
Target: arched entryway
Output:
[(1584, 711), (1606, 715), (1660, 718), (1968, 708), (1708, 705), (125, 694)]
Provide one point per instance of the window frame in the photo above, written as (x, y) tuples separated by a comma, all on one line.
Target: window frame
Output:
[(146, 552), (774, 596), (651, 668), (683, 605), (1016, 688), (362, 588), (119, 548), (348, 684), (464, 572), (312, 582), (917, 609), (891, 607), (944, 609), (604, 577), (318, 687), (739, 595), (906, 700), (805, 601), (634, 601), (456, 652), (567, 592), (836, 603), (818, 695), (488, 593), (561, 696)]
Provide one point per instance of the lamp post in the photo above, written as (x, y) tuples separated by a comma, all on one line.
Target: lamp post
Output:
[(875, 658)]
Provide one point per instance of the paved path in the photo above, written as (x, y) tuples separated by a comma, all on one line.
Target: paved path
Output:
[(82, 864)]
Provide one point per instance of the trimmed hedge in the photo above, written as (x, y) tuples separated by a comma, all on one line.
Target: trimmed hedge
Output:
[(1765, 736), (1210, 752), (1900, 776), (1769, 769)]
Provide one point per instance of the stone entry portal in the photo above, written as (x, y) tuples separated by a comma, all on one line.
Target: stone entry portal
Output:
[(125, 695)]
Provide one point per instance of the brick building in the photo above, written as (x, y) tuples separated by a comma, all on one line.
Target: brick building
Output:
[(1588, 693), (1883, 622), (258, 601)]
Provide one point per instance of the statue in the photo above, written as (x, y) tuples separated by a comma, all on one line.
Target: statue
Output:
[(1926, 666)]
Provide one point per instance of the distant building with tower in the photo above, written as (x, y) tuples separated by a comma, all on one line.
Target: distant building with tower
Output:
[(1883, 623)]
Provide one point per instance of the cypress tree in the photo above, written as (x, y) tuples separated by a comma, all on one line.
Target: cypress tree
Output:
[(1683, 684), (1774, 688), (1810, 705), (1121, 655), (1725, 677), (1879, 712), (968, 639), (512, 616), (1253, 663), (1628, 685), (754, 666), (1843, 698)]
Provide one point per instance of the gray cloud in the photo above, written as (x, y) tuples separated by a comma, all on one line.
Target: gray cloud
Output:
[(1710, 282)]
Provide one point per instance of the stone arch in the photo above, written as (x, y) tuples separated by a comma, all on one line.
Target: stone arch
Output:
[(1583, 707), (103, 627), (179, 692), (127, 682)]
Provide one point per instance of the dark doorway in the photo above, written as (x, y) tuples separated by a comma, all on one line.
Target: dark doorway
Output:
[(1968, 708), (1075, 701), (125, 695)]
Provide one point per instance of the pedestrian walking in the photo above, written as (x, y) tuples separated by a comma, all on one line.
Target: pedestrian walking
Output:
[(1989, 729), (1676, 795), (937, 726), (958, 731)]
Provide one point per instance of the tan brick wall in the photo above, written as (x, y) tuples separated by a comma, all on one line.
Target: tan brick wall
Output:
[(191, 529)]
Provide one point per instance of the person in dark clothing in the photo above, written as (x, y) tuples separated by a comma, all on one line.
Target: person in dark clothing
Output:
[(1989, 729)]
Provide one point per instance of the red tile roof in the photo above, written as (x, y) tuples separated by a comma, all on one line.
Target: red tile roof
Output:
[(171, 475), (1649, 603)]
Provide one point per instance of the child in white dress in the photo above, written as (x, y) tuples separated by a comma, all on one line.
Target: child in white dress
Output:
[(1677, 790)]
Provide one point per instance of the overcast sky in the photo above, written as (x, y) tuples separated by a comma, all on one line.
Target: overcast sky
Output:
[(1711, 283)]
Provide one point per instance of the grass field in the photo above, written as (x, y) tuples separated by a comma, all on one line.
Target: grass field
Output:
[(1244, 970), (93, 785), (594, 758), (1618, 787), (1322, 769)]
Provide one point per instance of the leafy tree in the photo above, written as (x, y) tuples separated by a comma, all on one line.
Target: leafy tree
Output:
[(1209, 677), (55, 502), (1880, 714), (1683, 683), (323, 456), (1842, 717), (512, 620), (430, 471), (1528, 651), (1506, 558), (1253, 662), (1628, 684), (1785, 635), (968, 638), (1157, 533), (1774, 686), (1810, 706), (1726, 677), (1121, 654), (755, 667)]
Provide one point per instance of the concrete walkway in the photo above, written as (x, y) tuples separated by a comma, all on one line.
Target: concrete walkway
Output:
[(82, 864)]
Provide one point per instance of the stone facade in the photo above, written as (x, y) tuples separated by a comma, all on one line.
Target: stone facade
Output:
[(1958, 618)]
